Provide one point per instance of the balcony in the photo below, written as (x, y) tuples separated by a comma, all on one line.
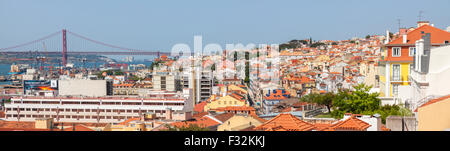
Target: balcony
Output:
[(399, 78), (419, 77)]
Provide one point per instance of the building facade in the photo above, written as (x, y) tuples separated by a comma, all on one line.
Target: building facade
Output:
[(94, 110), (399, 56)]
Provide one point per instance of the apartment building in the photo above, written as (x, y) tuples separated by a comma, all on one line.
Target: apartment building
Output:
[(92, 109), (400, 52), (429, 75), (203, 85), (166, 82)]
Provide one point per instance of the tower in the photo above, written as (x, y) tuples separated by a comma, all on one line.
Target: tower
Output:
[(64, 47)]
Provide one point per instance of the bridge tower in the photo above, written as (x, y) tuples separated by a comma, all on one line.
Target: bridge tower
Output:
[(64, 47)]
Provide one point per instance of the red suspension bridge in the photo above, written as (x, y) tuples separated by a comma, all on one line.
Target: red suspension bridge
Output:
[(80, 45)]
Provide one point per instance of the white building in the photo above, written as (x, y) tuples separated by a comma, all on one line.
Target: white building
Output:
[(79, 87), (91, 110), (429, 74)]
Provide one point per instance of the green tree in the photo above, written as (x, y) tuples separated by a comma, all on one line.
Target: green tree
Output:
[(155, 64), (320, 99), (357, 101), (247, 68), (368, 36), (213, 67), (317, 44)]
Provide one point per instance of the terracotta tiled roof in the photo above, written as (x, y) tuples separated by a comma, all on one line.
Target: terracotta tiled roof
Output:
[(199, 115), (276, 96), (78, 127), (129, 120), (323, 127), (286, 121), (277, 128), (383, 128), (204, 122), (352, 123), (434, 101), (223, 117), (438, 36), (23, 129), (200, 106), (16, 125)]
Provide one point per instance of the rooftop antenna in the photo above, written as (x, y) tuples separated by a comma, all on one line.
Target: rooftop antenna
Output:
[(420, 15), (399, 24)]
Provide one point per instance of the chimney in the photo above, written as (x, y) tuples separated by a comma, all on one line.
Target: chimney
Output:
[(421, 23), (403, 31), (405, 39), (378, 121), (347, 115)]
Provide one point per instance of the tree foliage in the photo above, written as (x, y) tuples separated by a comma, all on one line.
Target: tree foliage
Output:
[(358, 101), (155, 64), (213, 67), (317, 44), (247, 68), (320, 99), (293, 44)]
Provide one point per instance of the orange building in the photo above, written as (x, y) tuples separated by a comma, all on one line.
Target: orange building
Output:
[(400, 53)]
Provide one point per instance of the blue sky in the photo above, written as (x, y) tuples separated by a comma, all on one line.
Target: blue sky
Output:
[(158, 25)]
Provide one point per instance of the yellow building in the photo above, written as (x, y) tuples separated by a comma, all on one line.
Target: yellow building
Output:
[(434, 115), (143, 123), (399, 55), (240, 122), (228, 100), (233, 87), (43, 123)]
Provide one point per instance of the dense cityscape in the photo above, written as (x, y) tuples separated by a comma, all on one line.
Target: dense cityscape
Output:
[(397, 81)]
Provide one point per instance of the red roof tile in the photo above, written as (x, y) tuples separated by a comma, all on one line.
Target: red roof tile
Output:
[(286, 121), (78, 127), (200, 107), (352, 123), (438, 36)]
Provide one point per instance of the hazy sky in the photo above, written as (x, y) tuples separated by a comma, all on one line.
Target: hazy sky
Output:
[(152, 25)]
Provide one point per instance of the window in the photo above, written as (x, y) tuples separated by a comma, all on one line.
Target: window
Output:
[(412, 51), (396, 72), (446, 42), (396, 52), (395, 89)]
